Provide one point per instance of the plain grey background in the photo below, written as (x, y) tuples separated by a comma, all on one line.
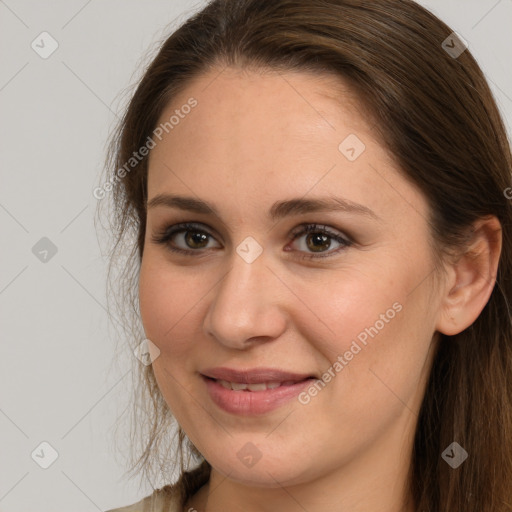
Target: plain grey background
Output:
[(57, 381)]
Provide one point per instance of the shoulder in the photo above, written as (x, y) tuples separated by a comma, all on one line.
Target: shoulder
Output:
[(171, 498)]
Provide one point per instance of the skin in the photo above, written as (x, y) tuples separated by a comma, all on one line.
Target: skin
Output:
[(253, 139)]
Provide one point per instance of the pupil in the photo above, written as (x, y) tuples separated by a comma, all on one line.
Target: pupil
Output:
[(319, 237), (195, 237)]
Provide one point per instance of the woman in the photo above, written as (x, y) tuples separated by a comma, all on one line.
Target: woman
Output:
[(317, 192)]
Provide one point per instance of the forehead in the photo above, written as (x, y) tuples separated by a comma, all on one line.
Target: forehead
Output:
[(242, 102), (254, 135), (274, 118)]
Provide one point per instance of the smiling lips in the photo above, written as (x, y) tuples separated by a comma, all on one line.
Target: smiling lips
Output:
[(238, 386), (254, 391)]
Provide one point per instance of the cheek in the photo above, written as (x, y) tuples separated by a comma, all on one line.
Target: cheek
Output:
[(384, 342), (166, 314), (373, 330), (170, 301), (153, 297), (349, 306), (161, 301)]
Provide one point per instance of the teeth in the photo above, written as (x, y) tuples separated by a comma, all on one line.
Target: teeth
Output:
[(257, 387), (237, 386), (225, 384)]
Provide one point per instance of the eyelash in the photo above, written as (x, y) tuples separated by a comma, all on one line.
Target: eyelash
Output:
[(164, 237)]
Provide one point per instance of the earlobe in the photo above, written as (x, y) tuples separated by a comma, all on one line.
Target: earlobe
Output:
[(471, 278)]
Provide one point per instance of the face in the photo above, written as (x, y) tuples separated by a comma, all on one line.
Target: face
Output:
[(311, 271)]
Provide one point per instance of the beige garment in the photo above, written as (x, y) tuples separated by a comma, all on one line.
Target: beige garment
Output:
[(159, 501), (171, 498)]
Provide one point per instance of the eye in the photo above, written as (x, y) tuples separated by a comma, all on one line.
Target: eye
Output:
[(191, 235), (317, 241)]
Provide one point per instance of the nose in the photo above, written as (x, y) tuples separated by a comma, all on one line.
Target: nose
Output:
[(247, 306)]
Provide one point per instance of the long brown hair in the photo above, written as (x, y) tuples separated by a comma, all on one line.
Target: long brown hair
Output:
[(436, 115)]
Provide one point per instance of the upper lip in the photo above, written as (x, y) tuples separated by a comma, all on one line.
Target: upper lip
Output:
[(254, 375)]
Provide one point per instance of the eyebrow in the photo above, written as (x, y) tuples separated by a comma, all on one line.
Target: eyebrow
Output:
[(279, 209)]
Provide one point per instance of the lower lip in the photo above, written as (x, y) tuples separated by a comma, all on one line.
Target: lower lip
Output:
[(246, 402)]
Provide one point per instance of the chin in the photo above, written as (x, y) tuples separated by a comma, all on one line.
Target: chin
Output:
[(269, 474)]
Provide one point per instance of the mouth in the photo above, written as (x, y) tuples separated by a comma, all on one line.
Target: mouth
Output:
[(253, 392), (255, 375), (262, 386)]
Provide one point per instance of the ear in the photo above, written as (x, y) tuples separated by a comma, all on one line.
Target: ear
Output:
[(471, 278)]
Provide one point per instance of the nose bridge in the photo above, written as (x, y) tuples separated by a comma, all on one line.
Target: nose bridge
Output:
[(244, 303)]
